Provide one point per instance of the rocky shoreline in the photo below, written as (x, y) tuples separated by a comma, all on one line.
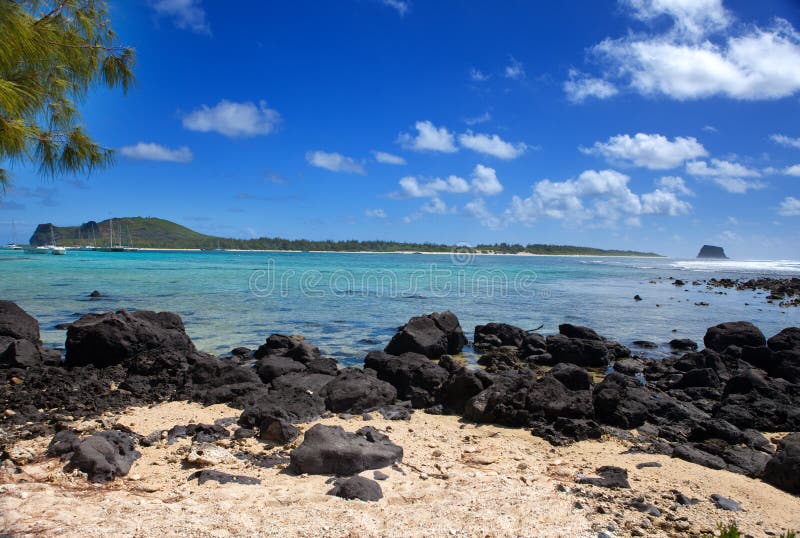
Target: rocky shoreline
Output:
[(783, 291), (711, 408)]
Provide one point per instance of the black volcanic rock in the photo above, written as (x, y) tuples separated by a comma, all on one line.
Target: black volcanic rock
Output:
[(709, 251)]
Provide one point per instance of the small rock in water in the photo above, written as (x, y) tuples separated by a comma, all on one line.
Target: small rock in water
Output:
[(95, 294), (724, 503), (637, 298)]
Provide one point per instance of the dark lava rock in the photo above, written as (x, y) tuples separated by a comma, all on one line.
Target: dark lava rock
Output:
[(114, 337), (783, 469), (608, 477), (244, 433), (580, 351), (497, 335), (683, 344), (691, 453), (645, 344), (16, 323), (724, 503), (271, 367), (104, 456), (629, 367), (303, 381), (786, 340), (637, 297), (645, 508), (620, 400), (734, 333), (396, 412), (205, 475), (64, 442), (571, 376), (19, 353), (710, 251), (357, 487), (290, 404), (432, 335), (577, 331), (278, 431), (647, 464), (331, 450), (354, 391), (416, 378), (377, 475), (462, 385), (95, 294), (683, 500)]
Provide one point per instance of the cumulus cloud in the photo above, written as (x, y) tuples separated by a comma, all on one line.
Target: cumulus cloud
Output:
[(653, 151), (792, 170), (376, 213), (186, 14), (429, 138), (514, 70), (435, 206), (484, 181), (491, 145), (674, 184), (388, 158), (730, 176), (787, 141), (692, 19), (757, 65), (603, 196), (477, 209), (233, 119), (476, 75), (412, 188), (790, 207), (580, 87), (335, 162), (150, 151)]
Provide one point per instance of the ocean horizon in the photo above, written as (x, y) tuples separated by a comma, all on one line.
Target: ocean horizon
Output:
[(348, 304)]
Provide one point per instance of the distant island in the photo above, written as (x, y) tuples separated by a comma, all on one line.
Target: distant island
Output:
[(147, 232), (710, 251)]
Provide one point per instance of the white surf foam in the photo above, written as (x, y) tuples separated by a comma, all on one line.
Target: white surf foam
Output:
[(741, 266)]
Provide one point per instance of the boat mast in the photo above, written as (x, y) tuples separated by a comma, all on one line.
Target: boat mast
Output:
[(111, 229)]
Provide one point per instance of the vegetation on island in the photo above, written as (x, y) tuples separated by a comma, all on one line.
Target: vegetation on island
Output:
[(53, 53), (160, 233)]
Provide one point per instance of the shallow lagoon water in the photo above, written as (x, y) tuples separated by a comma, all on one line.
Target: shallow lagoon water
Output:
[(348, 303)]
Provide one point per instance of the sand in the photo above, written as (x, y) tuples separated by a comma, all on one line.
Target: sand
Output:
[(457, 479)]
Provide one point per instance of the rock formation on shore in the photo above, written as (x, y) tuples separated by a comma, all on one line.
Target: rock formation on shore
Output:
[(708, 407), (710, 251)]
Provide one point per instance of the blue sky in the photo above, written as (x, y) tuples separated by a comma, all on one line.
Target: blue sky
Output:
[(647, 124)]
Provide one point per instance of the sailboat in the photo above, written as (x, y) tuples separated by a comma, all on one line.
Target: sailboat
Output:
[(111, 247), (12, 245), (55, 249)]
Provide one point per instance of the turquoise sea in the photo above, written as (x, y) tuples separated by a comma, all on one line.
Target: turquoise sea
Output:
[(348, 304)]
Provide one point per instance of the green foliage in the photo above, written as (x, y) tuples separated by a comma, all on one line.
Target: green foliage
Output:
[(726, 531), (160, 233), (53, 52), (789, 534)]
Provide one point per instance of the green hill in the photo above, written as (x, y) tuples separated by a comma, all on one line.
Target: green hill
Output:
[(159, 233)]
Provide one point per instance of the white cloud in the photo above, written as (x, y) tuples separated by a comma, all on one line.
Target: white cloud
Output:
[(692, 18), (401, 6), (514, 70), (435, 206), (233, 119), (477, 75), (603, 196), (484, 181), (429, 138), (150, 151), (787, 141), (411, 187), (580, 86), (792, 170), (388, 158), (790, 207), (720, 168), (483, 118), (710, 129), (653, 151), (335, 162), (491, 145), (376, 213), (187, 14), (674, 184), (756, 65), (728, 175), (477, 209)]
